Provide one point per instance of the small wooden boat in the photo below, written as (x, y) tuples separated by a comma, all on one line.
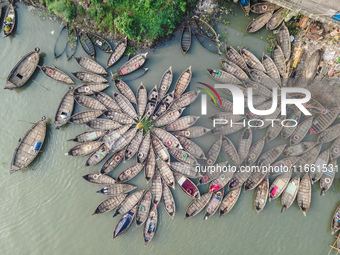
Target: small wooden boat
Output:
[(185, 39), (324, 120), (119, 138), (167, 138), (99, 179), (197, 205), (165, 173), (89, 102), (165, 83), (335, 225), (317, 170), (56, 74), (182, 156), (83, 117), (283, 38), (72, 43), (209, 175), (251, 60), (261, 195), (168, 118), (103, 124), (202, 27), (223, 77), (207, 43), (313, 63), (245, 5), (116, 189), (271, 155), (97, 156), (213, 152), (283, 165), (143, 208), (260, 8), (226, 106), (239, 178), (271, 68), (276, 19), (90, 65), (112, 162), (244, 144), (327, 177), (258, 89), (124, 223), (335, 149), (263, 79), (61, 42), (185, 99), (168, 200), (88, 77), (133, 147), (279, 185), (84, 149), (187, 186), (308, 157), (258, 23), (86, 44), (23, 70), (279, 60), (213, 204), (182, 82), (230, 150), (164, 105), (99, 42), (254, 152), (9, 21), (129, 202), (150, 225), (301, 131), (192, 132), (125, 105), (29, 146), (120, 117), (329, 134), (107, 101), (229, 201), (150, 165), (109, 204), (304, 194), (144, 148), (117, 52), (130, 173), (288, 130), (142, 100), (156, 188), (290, 193), (152, 103), (221, 180), (187, 170), (182, 123), (234, 69), (90, 88), (125, 90), (133, 64), (255, 178), (274, 130), (298, 149), (64, 109), (191, 147), (235, 57)]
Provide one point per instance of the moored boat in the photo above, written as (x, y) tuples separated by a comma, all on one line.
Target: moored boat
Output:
[(251, 60), (9, 21), (182, 82), (64, 109), (89, 102), (100, 42), (245, 5), (56, 74), (84, 149), (165, 83), (290, 193), (261, 195), (117, 52), (90, 65), (260, 8), (283, 38), (229, 201), (168, 200), (185, 39), (116, 189), (83, 117), (327, 177), (304, 194), (143, 208), (150, 225), (276, 19), (99, 179), (133, 64), (88, 77), (234, 69), (214, 204), (279, 185), (197, 205), (235, 57), (207, 43), (258, 23), (109, 204), (87, 44), (187, 186), (124, 223), (90, 88)]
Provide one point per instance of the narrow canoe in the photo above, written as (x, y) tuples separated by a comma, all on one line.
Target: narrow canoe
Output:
[(97, 156), (89, 136), (187, 186), (72, 43), (61, 42), (168, 118), (56, 74), (129, 202), (109, 204), (191, 147), (335, 225), (112, 162), (125, 105), (324, 120), (133, 64), (298, 149), (255, 151), (251, 60), (100, 42), (304, 194), (88, 77), (64, 109), (119, 138), (164, 105), (133, 147), (90, 65), (329, 134), (9, 21), (84, 149), (258, 23), (204, 28), (223, 77), (83, 117), (23, 70), (264, 79), (207, 43), (192, 132), (245, 5), (279, 185), (29, 146), (301, 131), (235, 57), (185, 99), (116, 189), (261, 195), (129, 173), (327, 177), (271, 68), (230, 150), (150, 225), (167, 138), (290, 193), (168, 200), (156, 188), (283, 38), (271, 155), (182, 82), (152, 103), (197, 205), (165, 173), (159, 149), (182, 156), (276, 19), (89, 102), (260, 8), (229, 201), (142, 100), (213, 152), (187, 170), (185, 39), (316, 171), (107, 101), (120, 117), (234, 69), (99, 179), (90, 88), (144, 148), (213, 204), (143, 208), (150, 165), (182, 123), (124, 223), (103, 124), (313, 63), (279, 60), (86, 44), (165, 83), (125, 90), (244, 143), (117, 52)]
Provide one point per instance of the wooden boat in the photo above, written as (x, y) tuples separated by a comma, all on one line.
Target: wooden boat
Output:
[(99, 42), (152, 103), (214, 204), (156, 188), (239, 178), (86, 44), (276, 19), (283, 38), (56, 74), (185, 99), (116, 189), (64, 109), (245, 5), (226, 105), (99, 179), (309, 157), (125, 105), (112, 162), (165, 83), (167, 138), (263, 79), (209, 175), (88, 77), (191, 147), (142, 99), (182, 82), (144, 148), (335, 149), (255, 178), (235, 57), (230, 150), (72, 43), (223, 77), (165, 173), (182, 156), (313, 63), (301, 131), (271, 68), (23, 70), (103, 124), (287, 131), (182, 123), (192, 132), (129, 202), (279, 60), (221, 180), (124, 223), (324, 120), (202, 27), (282, 165), (229, 201), (61, 42), (97, 156), (258, 89), (125, 90), (335, 225), (251, 60), (258, 23), (29, 146), (329, 134), (90, 65), (197, 205), (109, 204), (327, 177), (133, 147), (187, 186), (207, 43), (89, 102), (271, 155), (84, 149), (279, 185), (244, 144), (168, 118), (168, 200), (298, 149), (265, 106), (150, 225), (185, 38), (120, 117), (84, 117), (164, 105), (90, 88), (304, 194), (133, 64), (316, 171), (130, 173), (107, 101), (260, 8), (117, 52), (274, 130), (143, 208), (185, 169), (9, 21), (234, 69), (290, 193), (261, 195), (150, 165), (254, 152), (122, 140)]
